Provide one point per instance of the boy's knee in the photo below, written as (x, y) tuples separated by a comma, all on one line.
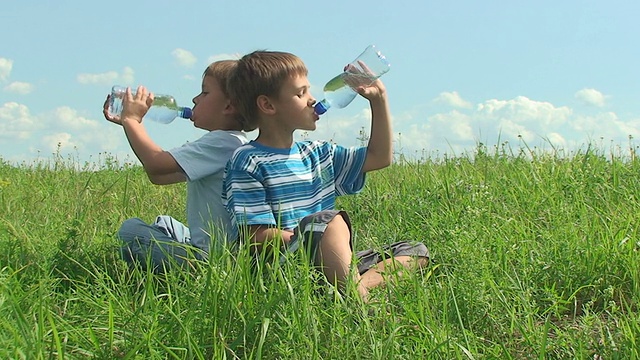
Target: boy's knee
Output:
[(131, 223), (129, 228), (338, 222)]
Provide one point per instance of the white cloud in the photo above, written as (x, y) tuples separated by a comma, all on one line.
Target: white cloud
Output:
[(512, 130), (494, 122), (214, 58), (591, 97), (340, 129), (418, 133), (523, 110), (414, 138), (513, 121), (184, 57), (18, 87), (108, 78), (452, 124), (73, 132), (5, 68), (127, 76), (59, 141), (606, 125), (62, 129), (69, 118), (103, 78), (453, 99), (16, 121), (100, 137), (557, 140)]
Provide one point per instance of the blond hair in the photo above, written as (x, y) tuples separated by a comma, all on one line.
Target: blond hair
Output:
[(261, 73)]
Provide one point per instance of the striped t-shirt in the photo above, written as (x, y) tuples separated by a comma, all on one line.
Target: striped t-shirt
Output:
[(278, 187)]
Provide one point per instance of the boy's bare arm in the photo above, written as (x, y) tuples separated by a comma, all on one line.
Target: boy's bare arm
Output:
[(168, 179), (262, 236), (380, 146), (160, 166)]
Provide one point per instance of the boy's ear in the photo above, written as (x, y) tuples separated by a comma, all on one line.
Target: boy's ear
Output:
[(265, 105), (229, 109)]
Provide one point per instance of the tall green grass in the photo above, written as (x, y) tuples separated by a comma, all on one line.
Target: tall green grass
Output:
[(535, 256)]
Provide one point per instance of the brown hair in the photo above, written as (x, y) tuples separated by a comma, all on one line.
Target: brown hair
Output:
[(221, 71), (261, 73)]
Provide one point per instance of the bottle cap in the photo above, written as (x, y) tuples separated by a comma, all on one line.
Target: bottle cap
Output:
[(320, 108), (186, 113)]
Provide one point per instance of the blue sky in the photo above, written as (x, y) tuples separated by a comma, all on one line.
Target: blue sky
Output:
[(550, 73)]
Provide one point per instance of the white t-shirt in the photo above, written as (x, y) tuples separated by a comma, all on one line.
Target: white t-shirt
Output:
[(203, 161)]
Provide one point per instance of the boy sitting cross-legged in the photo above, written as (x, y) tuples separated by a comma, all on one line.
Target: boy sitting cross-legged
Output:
[(277, 188), (199, 163)]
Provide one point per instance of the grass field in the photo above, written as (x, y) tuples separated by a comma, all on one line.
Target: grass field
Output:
[(535, 256)]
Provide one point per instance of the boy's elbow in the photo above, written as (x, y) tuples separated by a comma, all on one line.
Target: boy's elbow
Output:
[(377, 161), (389, 160), (154, 180), (376, 164), (383, 164), (155, 177), (385, 160)]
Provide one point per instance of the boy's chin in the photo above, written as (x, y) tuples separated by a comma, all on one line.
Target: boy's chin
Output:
[(311, 127), (201, 127)]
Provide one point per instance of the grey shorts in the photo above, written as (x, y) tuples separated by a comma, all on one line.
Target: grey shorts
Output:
[(311, 228), (368, 258)]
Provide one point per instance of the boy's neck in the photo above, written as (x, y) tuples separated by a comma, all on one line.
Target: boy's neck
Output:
[(273, 139), (228, 124)]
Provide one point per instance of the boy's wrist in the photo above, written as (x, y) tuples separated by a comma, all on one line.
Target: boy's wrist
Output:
[(131, 120), (379, 99)]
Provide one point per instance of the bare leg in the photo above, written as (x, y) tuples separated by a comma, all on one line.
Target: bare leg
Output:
[(335, 256), (375, 276)]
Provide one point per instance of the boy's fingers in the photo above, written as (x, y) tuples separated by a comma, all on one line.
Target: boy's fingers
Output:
[(127, 94), (141, 92), (105, 106), (366, 69)]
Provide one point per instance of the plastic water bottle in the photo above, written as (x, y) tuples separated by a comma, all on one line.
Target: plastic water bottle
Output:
[(163, 110), (363, 71)]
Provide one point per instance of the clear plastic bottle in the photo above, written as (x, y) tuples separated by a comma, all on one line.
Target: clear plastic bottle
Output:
[(164, 109), (363, 71)]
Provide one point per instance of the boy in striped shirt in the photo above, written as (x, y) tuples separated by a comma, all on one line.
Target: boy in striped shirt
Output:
[(276, 188)]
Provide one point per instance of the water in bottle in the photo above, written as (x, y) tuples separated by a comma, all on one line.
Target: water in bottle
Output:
[(363, 71), (163, 110)]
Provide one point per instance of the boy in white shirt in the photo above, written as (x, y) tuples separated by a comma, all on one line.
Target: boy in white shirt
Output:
[(200, 163)]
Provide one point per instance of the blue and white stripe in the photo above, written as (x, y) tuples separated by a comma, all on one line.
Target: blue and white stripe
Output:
[(278, 187)]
